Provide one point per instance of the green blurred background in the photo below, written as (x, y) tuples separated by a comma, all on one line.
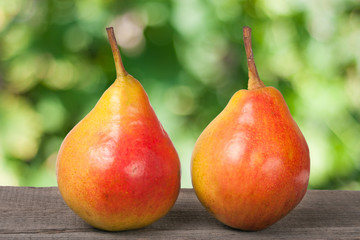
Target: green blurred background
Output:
[(55, 62)]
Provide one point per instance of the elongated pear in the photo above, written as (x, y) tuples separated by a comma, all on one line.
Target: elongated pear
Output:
[(250, 166), (117, 168)]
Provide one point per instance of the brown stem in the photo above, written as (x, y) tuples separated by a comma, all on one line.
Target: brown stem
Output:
[(254, 80), (120, 70)]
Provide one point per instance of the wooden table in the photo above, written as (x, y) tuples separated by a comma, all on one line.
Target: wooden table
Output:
[(40, 213)]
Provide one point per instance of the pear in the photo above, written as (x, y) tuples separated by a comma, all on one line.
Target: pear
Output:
[(117, 168), (250, 166)]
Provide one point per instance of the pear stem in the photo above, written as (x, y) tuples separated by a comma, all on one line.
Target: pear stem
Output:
[(120, 70), (254, 79)]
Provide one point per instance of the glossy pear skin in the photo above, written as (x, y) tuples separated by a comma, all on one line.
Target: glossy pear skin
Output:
[(117, 168), (251, 165)]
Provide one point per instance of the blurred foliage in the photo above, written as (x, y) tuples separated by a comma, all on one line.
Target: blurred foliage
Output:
[(55, 62)]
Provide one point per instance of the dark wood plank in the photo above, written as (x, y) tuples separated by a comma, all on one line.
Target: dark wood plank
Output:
[(40, 213)]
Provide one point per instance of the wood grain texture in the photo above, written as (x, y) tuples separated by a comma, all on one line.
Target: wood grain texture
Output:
[(40, 213)]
